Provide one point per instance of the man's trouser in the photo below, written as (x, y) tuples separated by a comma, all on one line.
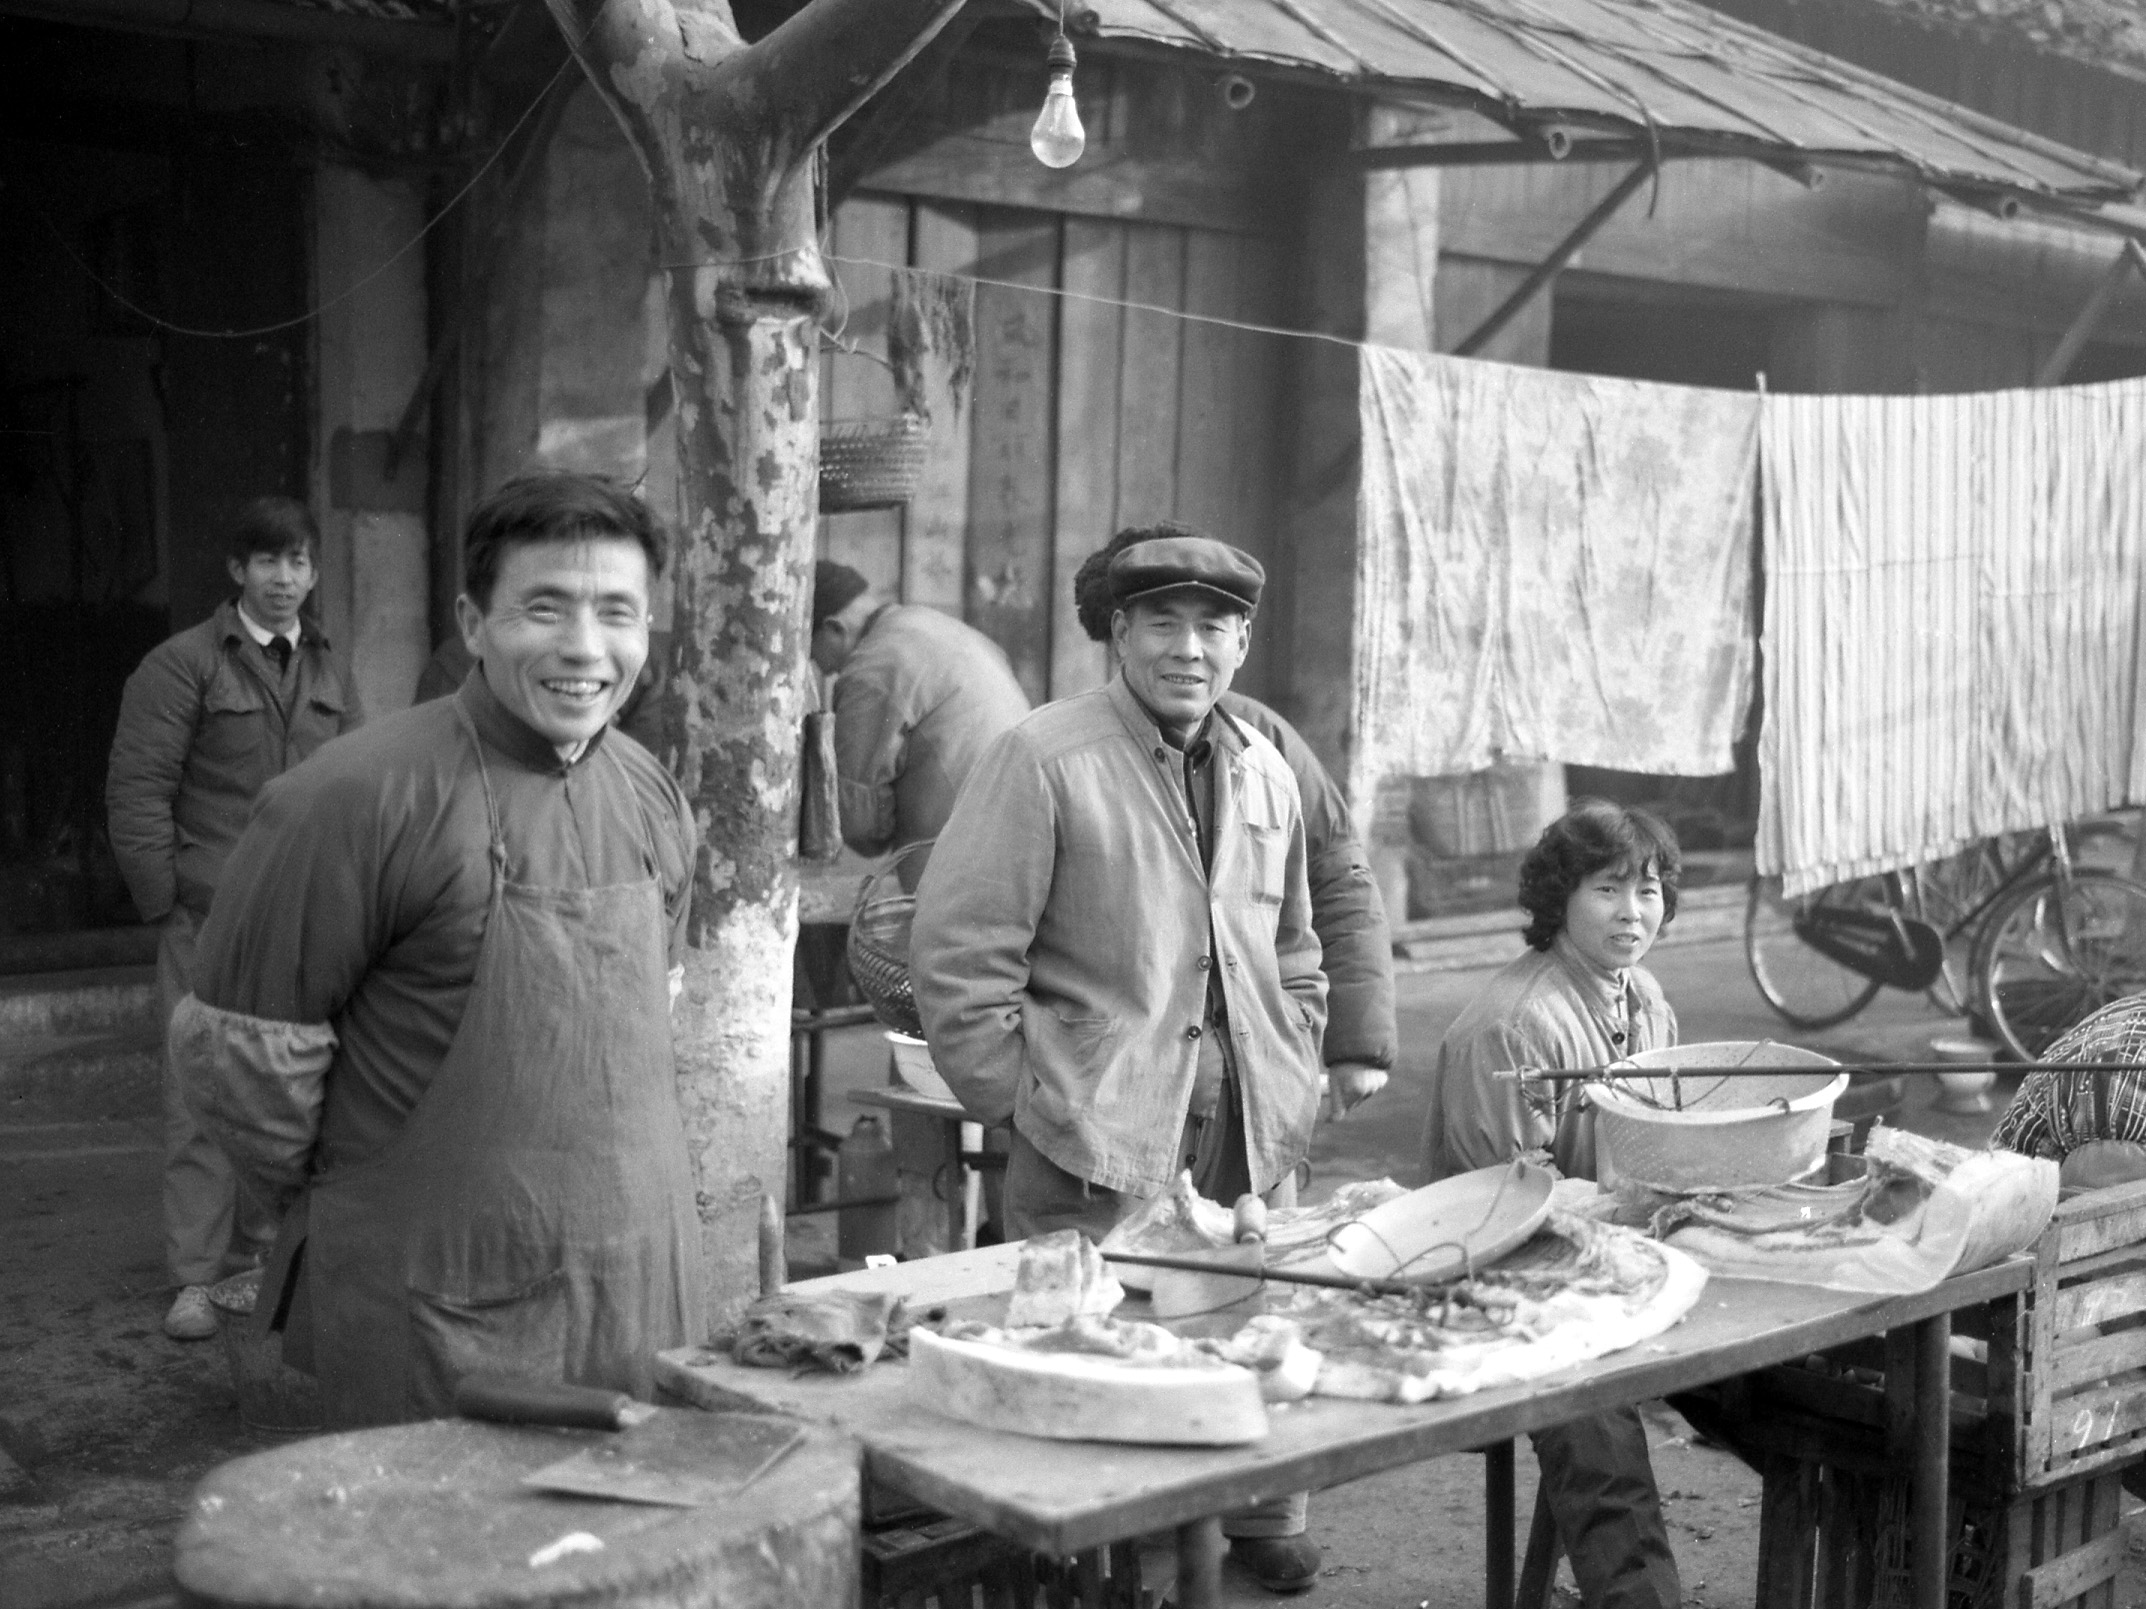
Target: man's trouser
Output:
[(1600, 1484), (1041, 1196), (201, 1196)]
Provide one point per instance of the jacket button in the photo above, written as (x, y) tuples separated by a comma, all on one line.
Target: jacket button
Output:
[(1193, 1032), (1162, 755), (1206, 961)]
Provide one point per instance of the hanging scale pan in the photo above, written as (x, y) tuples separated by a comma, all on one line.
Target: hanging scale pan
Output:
[(1896, 950)]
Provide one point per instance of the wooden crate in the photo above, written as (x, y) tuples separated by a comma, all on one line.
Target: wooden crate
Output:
[(2072, 1369), (1833, 1534), (2048, 1407), (934, 1559)]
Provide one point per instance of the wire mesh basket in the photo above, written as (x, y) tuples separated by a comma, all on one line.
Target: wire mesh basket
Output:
[(871, 463), (1658, 1128), (879, 939)]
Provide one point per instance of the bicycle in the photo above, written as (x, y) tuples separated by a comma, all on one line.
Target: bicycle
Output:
[(2033, 941)]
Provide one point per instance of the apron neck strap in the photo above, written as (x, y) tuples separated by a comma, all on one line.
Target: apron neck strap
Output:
[(491, 801)]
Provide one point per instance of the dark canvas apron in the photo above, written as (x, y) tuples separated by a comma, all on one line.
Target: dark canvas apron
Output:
[(535, 1214)]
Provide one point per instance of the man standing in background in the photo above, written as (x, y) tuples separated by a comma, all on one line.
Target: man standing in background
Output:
[(918, 697), (208, 718)]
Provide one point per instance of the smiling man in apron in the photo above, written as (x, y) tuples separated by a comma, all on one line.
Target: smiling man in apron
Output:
[(431, 1009)]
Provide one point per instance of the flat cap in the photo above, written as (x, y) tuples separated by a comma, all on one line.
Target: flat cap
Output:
[(1166, 563), (834, 588)]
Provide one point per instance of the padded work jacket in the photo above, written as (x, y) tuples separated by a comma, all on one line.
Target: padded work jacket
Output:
[(203, 725), (1066, 932)]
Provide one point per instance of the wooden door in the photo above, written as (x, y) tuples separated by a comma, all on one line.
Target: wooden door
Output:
[(1094, 402)]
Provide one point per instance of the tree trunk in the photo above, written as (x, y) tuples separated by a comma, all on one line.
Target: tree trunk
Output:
[(728, 133)]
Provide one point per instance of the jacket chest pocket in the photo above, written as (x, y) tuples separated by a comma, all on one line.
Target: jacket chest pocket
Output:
[(234, 718), (319, 717), (1267, 836)]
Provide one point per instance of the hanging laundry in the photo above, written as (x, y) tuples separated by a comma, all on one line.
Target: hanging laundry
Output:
[(1953, 621), (1549, 565)]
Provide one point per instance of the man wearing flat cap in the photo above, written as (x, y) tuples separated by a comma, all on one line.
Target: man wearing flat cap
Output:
[(1113, 947)]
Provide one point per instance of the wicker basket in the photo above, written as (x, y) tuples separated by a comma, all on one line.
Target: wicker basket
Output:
[(879, 939), (871, 463)]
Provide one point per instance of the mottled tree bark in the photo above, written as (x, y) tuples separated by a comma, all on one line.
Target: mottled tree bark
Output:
[(729, 134)]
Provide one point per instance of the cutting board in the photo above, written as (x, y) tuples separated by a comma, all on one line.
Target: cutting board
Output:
[(435, 1516), (673, 1459)]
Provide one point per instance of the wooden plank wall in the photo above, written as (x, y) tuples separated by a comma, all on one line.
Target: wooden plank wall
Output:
[(1086, 414)]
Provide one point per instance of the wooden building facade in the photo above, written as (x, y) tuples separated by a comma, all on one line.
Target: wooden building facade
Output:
[(1126, 365)]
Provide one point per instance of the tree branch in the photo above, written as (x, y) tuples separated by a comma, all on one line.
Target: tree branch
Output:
[(832, 57)]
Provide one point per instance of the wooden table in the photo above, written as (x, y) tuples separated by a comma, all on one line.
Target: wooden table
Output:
[(1068, 1497)]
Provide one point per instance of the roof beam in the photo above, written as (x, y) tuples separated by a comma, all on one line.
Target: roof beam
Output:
[(2132, 256), (1560, 254)]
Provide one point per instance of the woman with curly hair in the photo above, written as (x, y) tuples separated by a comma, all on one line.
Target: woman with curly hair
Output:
[(1598, 886)]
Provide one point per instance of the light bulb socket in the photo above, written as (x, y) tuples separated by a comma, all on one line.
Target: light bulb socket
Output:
[(1061, 58)]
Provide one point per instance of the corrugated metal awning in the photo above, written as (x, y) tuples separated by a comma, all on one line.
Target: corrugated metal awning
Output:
[(1668, 77)]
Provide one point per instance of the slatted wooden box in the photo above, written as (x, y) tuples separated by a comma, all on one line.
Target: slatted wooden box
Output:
[(2048, 1406)]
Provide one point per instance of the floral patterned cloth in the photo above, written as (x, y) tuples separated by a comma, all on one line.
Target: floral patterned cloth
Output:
[(1551, 565)]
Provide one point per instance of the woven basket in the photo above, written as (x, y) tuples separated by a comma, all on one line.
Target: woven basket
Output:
[(871, 463), (879, 940)]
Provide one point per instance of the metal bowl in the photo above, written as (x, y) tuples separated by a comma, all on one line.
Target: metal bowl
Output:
[(1696, 1133)]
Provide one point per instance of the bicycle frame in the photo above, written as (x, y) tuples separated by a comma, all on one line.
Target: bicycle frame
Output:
[(2053, 846)]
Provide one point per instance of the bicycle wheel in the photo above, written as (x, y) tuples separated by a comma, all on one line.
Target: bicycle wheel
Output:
[(1810, 990), (1945, 893), (2046, 959)]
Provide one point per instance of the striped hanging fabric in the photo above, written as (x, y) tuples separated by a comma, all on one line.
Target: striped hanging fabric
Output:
[(1952, 637)]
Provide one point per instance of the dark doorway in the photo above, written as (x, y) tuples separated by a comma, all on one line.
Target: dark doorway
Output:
[(124, 443), (1703, 345)]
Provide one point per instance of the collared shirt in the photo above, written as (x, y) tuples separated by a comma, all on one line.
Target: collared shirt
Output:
[(262, 635), (1215, 1063), (1547, 1009), (358, 896), (1066, 937)]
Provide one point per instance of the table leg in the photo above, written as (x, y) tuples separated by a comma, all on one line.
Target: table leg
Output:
[(1498, 1526), (1932, 1538), (1199, 1564)]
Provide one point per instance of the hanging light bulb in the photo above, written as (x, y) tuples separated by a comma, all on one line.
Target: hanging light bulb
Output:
[(1058, 139)]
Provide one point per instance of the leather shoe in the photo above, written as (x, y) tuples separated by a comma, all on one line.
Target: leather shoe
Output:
[(191, 1317), (1278, 1563)]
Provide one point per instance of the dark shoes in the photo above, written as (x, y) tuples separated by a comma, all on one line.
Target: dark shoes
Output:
[(1278, 1563)]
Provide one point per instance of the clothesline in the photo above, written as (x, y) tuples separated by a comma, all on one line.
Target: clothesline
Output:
[(1100, 301)]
